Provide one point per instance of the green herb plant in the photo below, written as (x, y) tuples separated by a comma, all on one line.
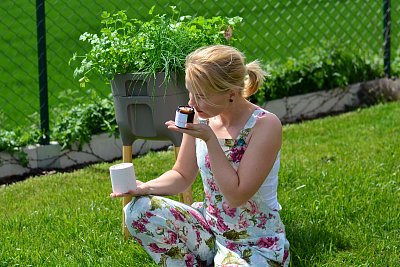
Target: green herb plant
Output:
[(161, 44)]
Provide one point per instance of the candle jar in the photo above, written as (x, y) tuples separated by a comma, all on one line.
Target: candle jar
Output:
[(183, 115)]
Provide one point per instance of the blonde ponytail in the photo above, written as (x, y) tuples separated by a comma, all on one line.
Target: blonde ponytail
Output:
[(255, 79)]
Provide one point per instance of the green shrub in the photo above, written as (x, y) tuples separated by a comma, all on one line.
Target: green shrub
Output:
[(14, 140), (74, 125), (318, 68), (11, 140), (79, 123)]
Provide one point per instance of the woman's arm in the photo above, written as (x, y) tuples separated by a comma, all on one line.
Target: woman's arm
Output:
[(174, 181), (182, 174), (238, 186)]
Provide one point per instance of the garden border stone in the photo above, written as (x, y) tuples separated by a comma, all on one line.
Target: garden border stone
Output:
[(328, 102)]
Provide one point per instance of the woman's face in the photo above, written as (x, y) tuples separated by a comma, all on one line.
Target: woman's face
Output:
[(207, 102), (210, 105)]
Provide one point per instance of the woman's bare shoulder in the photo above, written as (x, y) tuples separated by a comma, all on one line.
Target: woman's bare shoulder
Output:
[(268, 121)]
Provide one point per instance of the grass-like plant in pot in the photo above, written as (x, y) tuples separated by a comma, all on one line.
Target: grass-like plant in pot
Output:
[(144, 62), (159, 44)]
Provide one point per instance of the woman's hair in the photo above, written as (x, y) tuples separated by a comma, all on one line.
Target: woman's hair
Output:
[(222, 68)]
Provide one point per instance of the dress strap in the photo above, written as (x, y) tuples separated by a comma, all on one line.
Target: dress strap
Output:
[(257, 113)]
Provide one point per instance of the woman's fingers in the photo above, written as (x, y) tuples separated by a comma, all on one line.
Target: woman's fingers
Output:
[(115, 195), (137, 192)]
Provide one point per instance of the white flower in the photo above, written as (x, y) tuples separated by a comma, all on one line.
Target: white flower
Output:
[(84, 36)]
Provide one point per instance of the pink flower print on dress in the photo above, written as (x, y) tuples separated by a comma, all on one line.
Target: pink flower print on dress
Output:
[(189, 260), (285, 255), (231, 212), (221, 226), (212, 210), (262, 221), (231, 245), (261, 114), (149, 214), (211, 222), (200, 219), (237, 153), (267, 242), (243, 223), (170, 238), (198, 236), (156, 249), (177, 215), (139, 226), (207, 162), (212, 185), (254, 209), (208, 196)]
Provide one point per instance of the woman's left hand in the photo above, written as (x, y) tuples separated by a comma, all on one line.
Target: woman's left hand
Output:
[(140, 190), (197, 130)]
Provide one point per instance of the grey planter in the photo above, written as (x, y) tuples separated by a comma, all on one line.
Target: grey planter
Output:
[(143, 103)]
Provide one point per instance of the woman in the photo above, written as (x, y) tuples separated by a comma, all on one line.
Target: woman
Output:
[(236, 149)]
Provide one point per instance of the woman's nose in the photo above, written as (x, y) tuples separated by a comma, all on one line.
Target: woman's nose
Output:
[(191, 101)]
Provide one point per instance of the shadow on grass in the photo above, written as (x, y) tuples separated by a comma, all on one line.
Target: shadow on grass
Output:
[(311, 243)]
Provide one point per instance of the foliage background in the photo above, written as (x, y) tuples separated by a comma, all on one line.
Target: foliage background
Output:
[(271, 31)]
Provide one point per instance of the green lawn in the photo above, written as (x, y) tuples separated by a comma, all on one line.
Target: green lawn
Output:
[(271, 30), (339, 189)]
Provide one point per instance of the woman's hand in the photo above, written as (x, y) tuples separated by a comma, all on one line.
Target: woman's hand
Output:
[(197, 130), (141, 189)]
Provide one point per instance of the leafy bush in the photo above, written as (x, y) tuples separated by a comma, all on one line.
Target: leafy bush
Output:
[(13, 142), (318, 68), (157, 45), (79, 123), (74, 125)]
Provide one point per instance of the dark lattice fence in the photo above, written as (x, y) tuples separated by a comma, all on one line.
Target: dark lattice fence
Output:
[(271, 30)]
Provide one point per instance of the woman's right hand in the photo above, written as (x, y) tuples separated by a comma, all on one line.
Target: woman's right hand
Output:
[(140, 190)]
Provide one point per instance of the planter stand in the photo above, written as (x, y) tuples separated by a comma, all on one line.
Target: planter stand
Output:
[(142, 105)]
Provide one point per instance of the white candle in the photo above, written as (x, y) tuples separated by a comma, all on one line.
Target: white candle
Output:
[(123, 177)]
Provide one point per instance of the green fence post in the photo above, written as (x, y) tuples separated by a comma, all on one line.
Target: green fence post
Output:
[(42, 67)]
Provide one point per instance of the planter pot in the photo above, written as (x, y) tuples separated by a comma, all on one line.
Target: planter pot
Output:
[(143, 103)]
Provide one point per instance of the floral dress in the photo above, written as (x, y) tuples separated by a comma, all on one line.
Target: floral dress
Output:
[(211, 233)]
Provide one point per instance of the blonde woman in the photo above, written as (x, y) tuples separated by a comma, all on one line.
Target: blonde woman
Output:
[(237, 154)]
